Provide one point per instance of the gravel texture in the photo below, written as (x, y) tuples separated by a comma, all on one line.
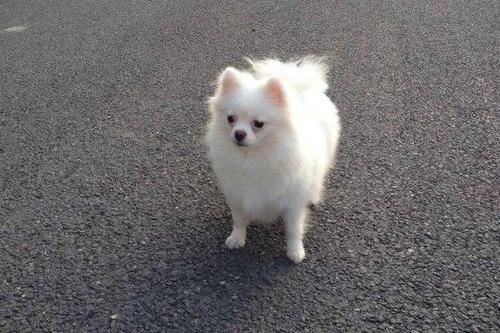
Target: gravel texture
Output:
[(110, 217)]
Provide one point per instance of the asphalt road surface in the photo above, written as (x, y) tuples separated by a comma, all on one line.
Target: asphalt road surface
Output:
[(110, 217)]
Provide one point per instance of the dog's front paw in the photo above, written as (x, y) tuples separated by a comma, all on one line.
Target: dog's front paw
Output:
[(235, 242), (296, 253)]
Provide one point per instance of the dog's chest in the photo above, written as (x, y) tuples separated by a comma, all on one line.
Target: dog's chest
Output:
[(260, 206), (259, 197)]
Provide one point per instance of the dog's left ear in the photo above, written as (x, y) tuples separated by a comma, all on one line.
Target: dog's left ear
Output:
[(229, 81), (275, 91)]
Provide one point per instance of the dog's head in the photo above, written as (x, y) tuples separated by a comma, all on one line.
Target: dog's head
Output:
[(250, 112)]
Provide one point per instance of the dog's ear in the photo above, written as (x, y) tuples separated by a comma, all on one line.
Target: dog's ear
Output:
[(228, 81), (275, 91)]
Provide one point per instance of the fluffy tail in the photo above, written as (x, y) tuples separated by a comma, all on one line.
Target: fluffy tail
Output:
[(308, 73)]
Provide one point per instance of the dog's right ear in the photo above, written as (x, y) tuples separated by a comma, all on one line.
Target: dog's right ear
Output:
[(228, 81), (275, 91)]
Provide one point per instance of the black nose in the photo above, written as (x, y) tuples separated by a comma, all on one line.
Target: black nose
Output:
[(240, 135)]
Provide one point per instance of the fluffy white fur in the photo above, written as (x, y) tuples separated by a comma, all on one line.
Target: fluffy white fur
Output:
[(276, 170)]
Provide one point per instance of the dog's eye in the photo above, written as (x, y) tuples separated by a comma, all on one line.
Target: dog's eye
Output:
[(258, 124), (230, 119)]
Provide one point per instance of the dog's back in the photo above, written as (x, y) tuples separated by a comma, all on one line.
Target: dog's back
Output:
[(305, 75)]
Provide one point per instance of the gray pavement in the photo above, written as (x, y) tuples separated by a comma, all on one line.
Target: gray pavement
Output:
[(110, 218)]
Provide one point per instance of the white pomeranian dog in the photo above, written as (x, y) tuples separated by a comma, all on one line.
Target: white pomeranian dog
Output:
[(272, 137)]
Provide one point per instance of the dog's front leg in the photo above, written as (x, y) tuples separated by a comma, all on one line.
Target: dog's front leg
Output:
[(294, 225), (239, 234)]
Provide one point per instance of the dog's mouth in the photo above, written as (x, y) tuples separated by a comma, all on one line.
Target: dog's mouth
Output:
[(241, 144)]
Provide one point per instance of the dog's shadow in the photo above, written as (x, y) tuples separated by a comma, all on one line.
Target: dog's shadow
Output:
[(209, 281)]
